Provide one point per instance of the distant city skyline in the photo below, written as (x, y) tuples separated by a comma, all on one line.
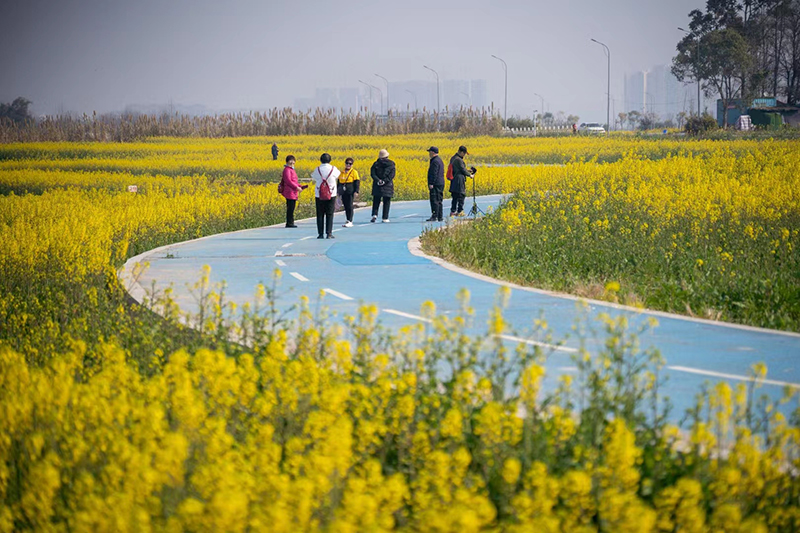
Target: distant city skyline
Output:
[(82, 56), (403, 96)]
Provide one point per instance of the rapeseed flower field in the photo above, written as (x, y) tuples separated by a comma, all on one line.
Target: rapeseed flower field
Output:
[(114, 419)]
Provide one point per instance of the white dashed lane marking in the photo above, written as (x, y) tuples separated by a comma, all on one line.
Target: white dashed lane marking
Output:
[(538, 343), (299, 276), (337, 294), (280, 263), (407, 315)]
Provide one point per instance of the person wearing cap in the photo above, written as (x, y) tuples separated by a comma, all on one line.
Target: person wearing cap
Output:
[(458, 186), (348, 187), (435, 183), (382, 174)]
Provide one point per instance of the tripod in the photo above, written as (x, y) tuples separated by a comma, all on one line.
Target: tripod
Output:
[(474, 210)]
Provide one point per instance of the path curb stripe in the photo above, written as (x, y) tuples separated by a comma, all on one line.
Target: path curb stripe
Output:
[(415, 248), (723, 375)]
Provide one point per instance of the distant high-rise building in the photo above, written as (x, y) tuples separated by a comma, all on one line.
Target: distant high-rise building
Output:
[(303, 104), (659, 92), (348, 99), (455, 94), (480, 96)]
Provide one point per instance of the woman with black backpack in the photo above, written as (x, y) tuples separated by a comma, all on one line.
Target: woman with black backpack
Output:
[(325, 178)]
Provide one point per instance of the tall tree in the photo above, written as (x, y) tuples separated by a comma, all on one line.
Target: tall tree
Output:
[(789, 60), (16, 110), (723, 59)]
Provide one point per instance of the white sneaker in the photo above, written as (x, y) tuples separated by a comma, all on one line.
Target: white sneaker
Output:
[(385, 220), (347, 224), (373, 219)]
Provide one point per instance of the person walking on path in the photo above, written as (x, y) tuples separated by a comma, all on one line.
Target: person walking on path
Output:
[(349, 183), (325, 177), (274, 151), (458, 186), (382, 173), (290, 189), (435, 184)]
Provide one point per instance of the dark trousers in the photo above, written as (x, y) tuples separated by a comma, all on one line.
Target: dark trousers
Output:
[(457, 205), (347, 202), (437, 195), (325, 215), (290, 205), (387, 202)]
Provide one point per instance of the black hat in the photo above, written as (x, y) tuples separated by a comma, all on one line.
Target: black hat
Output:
[(463, 149), (433, 149)]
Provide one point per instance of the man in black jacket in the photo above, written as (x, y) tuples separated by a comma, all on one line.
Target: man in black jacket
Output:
[(435, 184), (382, 173), (458, 186)]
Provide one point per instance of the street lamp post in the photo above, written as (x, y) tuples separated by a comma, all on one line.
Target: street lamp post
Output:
[(534, 118), (438, 106), (370, 94), (469, 98), (387, 92), (505, 99), (608, 94), (380, 94), (412, 93), (696, 67), (541, 101)]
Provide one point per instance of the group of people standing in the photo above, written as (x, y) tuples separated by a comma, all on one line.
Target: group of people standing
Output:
[(458, 174), (330, 183)]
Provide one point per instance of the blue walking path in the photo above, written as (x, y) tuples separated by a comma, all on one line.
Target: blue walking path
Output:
[(372, 263)]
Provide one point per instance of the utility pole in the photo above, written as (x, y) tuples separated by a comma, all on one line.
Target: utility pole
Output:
[(505, 99), (370, 94), (438, 102), (696, 66), (541, 101), (412, 93), (608, 94), (387, 92)]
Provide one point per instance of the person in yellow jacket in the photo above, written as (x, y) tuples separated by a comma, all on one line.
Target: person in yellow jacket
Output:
[(348, 188)]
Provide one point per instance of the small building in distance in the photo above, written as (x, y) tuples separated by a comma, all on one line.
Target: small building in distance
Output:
[(764, 113)]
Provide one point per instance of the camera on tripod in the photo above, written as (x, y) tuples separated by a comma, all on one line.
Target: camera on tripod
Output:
[(475, 209)]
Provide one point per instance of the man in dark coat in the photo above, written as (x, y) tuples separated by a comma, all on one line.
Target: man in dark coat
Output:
[(274, 151), (435, 183), (382, 173), (458, 186)]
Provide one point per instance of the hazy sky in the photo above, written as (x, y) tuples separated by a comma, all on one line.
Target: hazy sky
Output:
[(85, 55)]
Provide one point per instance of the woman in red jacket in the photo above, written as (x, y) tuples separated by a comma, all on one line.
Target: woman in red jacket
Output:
[(290, 189)]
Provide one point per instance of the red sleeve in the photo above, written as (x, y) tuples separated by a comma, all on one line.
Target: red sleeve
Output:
[(290, 179)]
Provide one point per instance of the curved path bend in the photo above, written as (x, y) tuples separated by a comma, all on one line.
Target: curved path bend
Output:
[(381, 264)]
